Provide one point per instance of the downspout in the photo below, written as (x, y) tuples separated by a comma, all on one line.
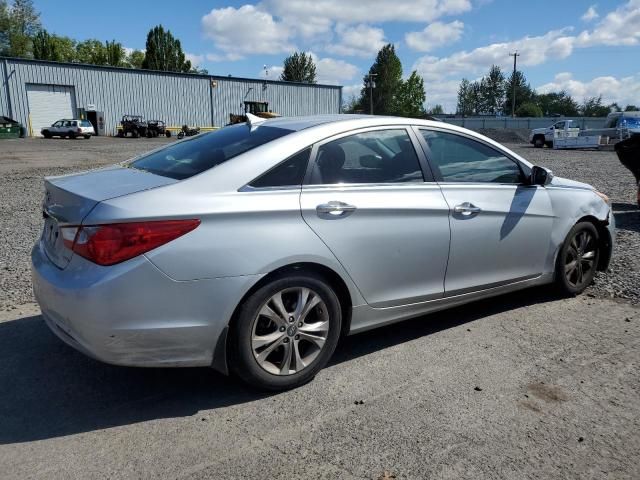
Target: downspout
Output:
[(6, 84)]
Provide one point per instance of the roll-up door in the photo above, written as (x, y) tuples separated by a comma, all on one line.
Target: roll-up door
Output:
[(48, 103)]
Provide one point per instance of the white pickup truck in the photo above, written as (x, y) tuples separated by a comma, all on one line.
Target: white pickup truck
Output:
[(539, 137)]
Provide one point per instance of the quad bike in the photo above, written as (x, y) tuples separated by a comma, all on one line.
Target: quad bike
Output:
[(629, 155), (134, 125), (259, 109), (157, 128), (188, 132)]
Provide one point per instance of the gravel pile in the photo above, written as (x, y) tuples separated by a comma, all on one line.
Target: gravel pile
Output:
[(24, 163), (506, 136)]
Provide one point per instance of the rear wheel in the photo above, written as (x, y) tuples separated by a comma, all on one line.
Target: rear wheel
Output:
[(71, 135), (46, 134), (168, 133), (538, 142), (87, 137), (549, 144), (286, 332), (578, 259)]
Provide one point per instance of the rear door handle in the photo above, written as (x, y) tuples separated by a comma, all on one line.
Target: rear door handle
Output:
[(335, 209), (466, 209)]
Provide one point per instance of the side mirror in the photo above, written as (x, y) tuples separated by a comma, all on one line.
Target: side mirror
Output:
[(541, 176)]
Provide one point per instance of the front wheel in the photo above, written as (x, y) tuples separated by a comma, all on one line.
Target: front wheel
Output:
[(578, 259), (285, 332), (180, 135), (538, 142)]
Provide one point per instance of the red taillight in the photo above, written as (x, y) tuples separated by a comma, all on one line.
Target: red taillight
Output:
[(79, 130), (117, 242)]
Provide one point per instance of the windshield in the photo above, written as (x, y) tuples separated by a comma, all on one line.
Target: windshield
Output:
[(195, 155)]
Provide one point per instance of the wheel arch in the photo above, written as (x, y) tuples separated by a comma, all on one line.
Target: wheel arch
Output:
[(605, 242), (221, 352)]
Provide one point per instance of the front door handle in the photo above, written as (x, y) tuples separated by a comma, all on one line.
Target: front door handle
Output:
[(467, 209), (335, 209)]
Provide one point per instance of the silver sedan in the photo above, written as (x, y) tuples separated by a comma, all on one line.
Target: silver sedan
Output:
[(253, 249)]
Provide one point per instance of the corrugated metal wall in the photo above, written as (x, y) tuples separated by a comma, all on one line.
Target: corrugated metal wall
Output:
[(176, 98)]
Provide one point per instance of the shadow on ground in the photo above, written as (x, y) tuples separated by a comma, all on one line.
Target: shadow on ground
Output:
[(49, 390)]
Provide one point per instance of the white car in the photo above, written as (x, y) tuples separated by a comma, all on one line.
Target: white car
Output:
[(69, 128)]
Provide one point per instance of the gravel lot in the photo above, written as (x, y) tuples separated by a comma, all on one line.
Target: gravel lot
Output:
[(525, 386)]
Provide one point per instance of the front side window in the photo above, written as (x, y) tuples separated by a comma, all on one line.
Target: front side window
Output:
[(461, 159), (559, 126), (57, 124), (379, 156), (194, 155)]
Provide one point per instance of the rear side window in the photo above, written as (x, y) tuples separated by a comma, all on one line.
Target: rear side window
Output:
[(86, 123), (379, 156), (461, 159), (286, 174), (195, 155)]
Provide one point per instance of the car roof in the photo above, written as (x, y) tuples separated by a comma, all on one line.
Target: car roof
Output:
[(356, 121)]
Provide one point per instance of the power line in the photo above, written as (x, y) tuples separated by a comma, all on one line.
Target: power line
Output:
[(513, 82)]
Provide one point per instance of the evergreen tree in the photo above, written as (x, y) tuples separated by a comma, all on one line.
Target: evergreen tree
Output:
[(558, 103), (524, 93), (493, 91), (114, 53), (464, 106), (164, 52), (388, 80), (299, 67), (593, 107)]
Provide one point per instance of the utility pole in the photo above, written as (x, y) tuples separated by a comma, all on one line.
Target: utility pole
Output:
[(371, 84), (513, 103)]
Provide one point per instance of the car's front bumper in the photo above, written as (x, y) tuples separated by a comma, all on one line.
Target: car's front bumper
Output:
[(133, 314)]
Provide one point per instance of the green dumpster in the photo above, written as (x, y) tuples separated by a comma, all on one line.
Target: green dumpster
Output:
[(9, 128)]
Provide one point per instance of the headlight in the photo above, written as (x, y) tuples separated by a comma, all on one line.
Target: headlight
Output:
[(606, 199)]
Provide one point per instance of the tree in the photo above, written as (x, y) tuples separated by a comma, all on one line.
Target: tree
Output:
[(164, 52), (91, 51), (492, 91), (436, 110), (464, 106), (53, 47), (631, 108), (593, 107), (135, 59), (299, 67), (528, 109), (388, 79), (524, 93), (18, 25), (558, 103), (411, 97), (114, 53), (614, 107), (352, 106)]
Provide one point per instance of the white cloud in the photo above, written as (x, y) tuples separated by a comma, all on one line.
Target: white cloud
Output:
[(619, 27), (624, 90), (435, 35), (359, 40), (271, 73), (590, 14), (356, 11), (194, 59), (533, 51), (351, 91), (246, 30), (333, 71)]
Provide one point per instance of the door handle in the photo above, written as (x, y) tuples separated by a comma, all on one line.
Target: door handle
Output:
[(466, 209), (335, 209)]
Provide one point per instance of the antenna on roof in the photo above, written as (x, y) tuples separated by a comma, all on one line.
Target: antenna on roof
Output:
[(254, 122)]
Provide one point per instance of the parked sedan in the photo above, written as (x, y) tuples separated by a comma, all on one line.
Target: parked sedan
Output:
[(69, 129), (256, 247)]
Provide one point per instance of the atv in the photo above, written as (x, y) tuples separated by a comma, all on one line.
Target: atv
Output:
[(157, 128), (186, 131), (134, 125)]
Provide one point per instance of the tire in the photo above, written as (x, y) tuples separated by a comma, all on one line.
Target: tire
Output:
[(168, 133), (309, 338), (121, 133), (135, 134), (149, 134), (180, 135), (549, 144), (538, 142), (46, 134), (87, 137), (71, 135), (581, 249)]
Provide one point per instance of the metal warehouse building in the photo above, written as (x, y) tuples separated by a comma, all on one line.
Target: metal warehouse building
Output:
[(37, 93)]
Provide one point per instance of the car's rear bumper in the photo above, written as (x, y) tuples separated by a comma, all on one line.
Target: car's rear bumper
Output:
[(133, 314)]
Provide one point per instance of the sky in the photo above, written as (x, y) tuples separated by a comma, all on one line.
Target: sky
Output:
[(585, 48)]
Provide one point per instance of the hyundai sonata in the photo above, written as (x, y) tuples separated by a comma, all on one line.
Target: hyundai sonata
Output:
[(254, 248)]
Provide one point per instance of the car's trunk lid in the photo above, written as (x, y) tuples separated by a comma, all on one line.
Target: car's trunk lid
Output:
[(70, 198)]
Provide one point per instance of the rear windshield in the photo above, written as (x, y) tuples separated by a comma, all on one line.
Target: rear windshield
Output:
[(195, 155)]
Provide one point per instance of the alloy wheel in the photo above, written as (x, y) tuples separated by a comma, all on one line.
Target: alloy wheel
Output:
[(580, 259), (290, 331)]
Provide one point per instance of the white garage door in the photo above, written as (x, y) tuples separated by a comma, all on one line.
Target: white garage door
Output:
[(48, 103)]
